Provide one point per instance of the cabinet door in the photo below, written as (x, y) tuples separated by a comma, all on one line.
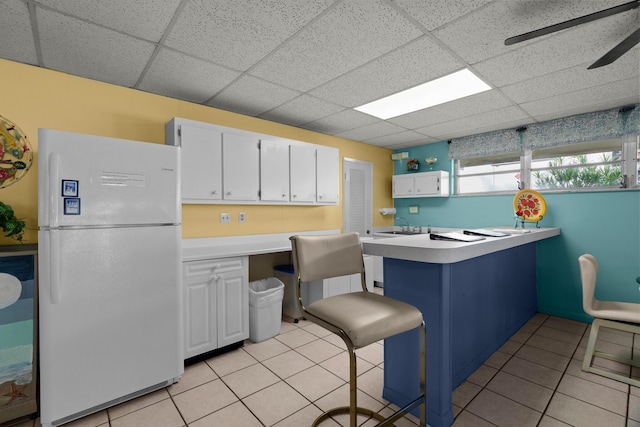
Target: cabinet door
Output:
[(427, 184), (233, 300), (274, 171), (202, 157), (403, 185), (200, 302), (240, 171), (302, 162), (327, 174)]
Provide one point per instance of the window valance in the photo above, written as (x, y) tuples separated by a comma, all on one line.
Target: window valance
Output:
[(593, 126)]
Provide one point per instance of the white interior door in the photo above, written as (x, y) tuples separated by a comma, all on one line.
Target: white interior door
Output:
[(357, 203)]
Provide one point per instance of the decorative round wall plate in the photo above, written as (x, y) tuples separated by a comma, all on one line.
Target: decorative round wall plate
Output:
[(529, 205), (10, 290), (16, 155)]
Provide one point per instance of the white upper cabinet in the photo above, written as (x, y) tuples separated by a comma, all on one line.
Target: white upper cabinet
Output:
[(424, 184), (327, 174), (202, 160), (274, 171), (233, 166), (240, 167), (302, 166)]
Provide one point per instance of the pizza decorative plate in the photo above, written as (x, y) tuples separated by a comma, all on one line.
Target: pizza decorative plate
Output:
[(529, 205), (16, 155)]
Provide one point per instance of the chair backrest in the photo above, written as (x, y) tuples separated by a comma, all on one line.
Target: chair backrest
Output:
[(588, 273), (323, 257)]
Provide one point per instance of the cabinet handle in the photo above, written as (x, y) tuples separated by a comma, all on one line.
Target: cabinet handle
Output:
[(214, 277), (214, 192), (294, 196), (284, 196), (228, 193), (320, 197)]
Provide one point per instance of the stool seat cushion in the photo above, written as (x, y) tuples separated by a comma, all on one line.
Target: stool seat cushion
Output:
[(366, 317)]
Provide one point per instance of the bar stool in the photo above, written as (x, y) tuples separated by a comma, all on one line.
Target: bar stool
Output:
[(624, 316), (359, 318)]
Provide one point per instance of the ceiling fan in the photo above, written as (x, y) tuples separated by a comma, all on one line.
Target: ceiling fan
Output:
[(610, 56)]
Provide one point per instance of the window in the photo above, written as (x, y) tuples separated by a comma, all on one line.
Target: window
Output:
[(599, 164), (488, 174), (586, 165)]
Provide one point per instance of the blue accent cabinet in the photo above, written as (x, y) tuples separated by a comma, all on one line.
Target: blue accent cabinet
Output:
[(471, 308)]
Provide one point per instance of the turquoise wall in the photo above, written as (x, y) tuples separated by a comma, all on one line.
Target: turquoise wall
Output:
[(603, 223)]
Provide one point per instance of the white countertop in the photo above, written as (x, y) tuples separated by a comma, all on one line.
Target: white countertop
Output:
[(230, 246), (421, 248)]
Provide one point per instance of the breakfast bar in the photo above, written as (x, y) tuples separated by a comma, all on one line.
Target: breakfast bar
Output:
[(473, 296)]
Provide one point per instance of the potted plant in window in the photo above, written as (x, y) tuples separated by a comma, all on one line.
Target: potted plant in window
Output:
[(12, 226)]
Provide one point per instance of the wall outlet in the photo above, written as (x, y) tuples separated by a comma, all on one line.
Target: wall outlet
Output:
[(225, 218), (241, 217)]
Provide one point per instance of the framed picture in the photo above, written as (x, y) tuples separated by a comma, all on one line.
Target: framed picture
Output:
[(72, 206), (69, 188)]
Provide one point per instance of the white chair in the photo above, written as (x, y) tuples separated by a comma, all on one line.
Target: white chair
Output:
[(623, 316), (359, 318)]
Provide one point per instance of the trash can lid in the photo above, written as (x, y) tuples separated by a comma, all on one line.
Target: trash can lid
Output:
[(286, 268)]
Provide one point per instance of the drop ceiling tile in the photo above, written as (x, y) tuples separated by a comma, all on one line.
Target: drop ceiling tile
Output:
[(406, 137), (574, 78), (564, 50), (340, 122), (179, 76), (347, 36), (439, 12), (252, 96), (479, 123), (471, 105), (147, 19), (412, 144), (616, 94), (481, 34), (303, 109), (605, 104), (374, 130), (241, 32), (87, 50), (16, 33), (415, 63)]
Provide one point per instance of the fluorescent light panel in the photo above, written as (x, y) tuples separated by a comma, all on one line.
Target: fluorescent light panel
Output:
[(448, 88)]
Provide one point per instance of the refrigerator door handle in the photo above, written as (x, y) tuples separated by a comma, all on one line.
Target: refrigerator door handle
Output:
[(54, 183), (54, 266)]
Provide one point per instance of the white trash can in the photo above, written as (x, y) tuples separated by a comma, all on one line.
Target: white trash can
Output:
[(265, 308)]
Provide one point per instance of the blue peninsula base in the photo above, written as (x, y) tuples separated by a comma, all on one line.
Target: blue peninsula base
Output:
[(471, 308)]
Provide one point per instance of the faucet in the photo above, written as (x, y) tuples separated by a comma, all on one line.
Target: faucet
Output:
[(404, 228)]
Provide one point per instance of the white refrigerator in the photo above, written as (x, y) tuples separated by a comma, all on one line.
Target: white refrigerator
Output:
[(110, 299)]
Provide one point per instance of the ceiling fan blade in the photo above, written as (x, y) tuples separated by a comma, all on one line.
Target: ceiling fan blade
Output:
[(617, 51), (572, 22)]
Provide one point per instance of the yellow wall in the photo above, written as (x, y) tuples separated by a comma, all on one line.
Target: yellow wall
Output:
[(33, 98)]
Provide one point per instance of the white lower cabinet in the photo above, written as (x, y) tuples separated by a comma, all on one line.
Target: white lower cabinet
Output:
[(216, 303)]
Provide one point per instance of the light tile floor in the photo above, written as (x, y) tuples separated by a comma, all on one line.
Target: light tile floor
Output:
[(534, 379)]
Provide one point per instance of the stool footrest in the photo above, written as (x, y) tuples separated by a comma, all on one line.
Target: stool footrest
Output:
[(401, 412), (346, 410)]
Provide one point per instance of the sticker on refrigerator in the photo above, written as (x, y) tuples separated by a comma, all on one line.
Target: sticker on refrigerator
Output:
[(72, 206), (123, 179), (69, 188)]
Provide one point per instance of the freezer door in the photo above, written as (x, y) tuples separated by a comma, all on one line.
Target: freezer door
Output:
[(110, 306), (86, 180)]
